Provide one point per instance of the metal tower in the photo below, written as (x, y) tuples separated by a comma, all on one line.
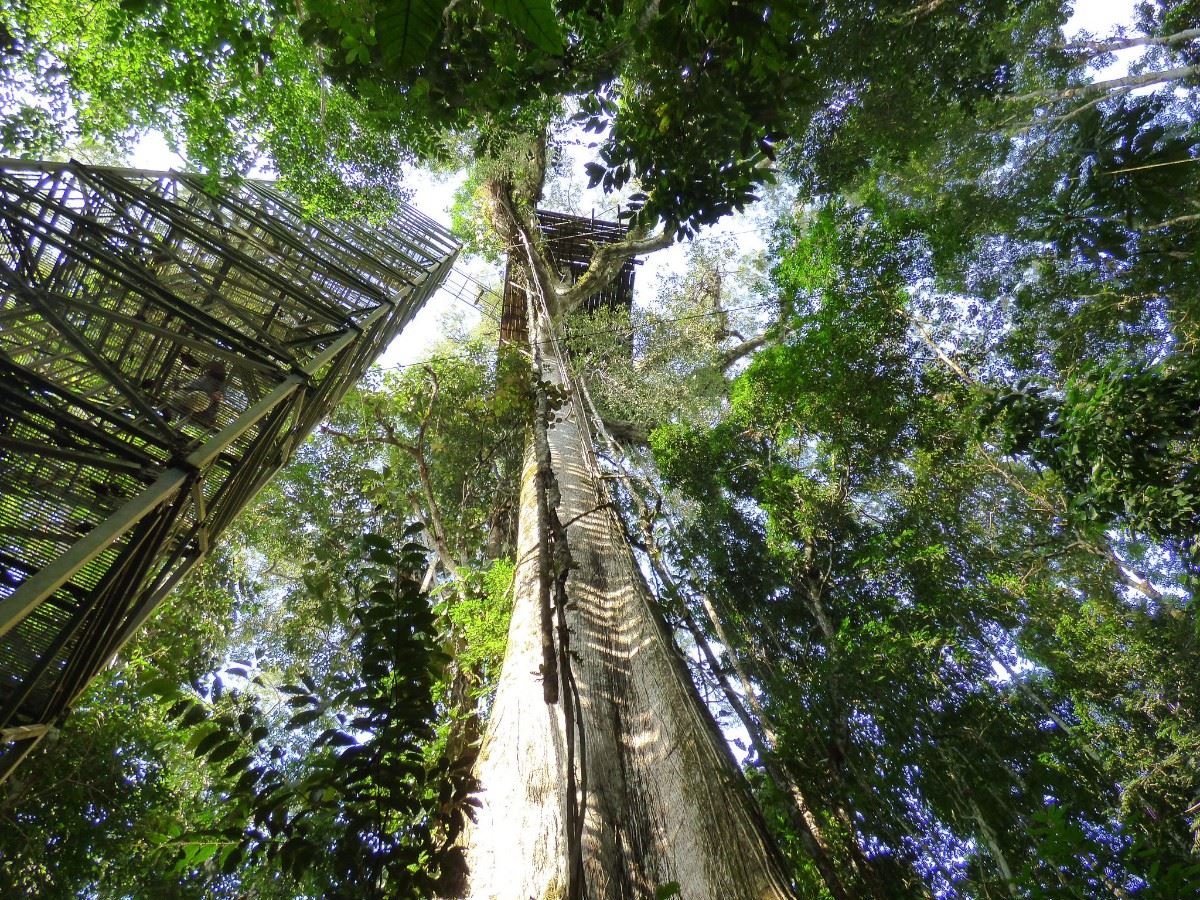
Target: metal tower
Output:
[(164, 348)]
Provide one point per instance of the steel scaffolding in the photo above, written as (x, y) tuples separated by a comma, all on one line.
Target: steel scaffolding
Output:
[(164, 348)]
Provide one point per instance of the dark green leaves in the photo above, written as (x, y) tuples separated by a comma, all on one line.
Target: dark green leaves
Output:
[(209, 743), (406, 30), (300, 719), (535, 19), (1123, 438), (360, 790)]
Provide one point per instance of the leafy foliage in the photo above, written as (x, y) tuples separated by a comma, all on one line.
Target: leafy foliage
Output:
[(300, 726), (1123, 441), (478, 609), (933, 548), (939, 634), (353, 805), (691, 100), (228, 83)]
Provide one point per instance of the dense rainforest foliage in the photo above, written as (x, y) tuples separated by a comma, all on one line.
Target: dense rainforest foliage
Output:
[(916, 487)]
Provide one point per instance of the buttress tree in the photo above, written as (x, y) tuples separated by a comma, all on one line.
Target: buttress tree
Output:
[(601, 773)]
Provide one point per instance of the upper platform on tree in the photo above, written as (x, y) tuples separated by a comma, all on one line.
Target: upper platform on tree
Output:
[(164, 348), (569, 242)]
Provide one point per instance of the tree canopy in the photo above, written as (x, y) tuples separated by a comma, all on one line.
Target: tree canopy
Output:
[(916, 488)]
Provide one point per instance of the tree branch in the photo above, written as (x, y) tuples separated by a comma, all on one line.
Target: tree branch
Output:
[(918, 11), (948, 361), (1110, 45), (509, 209), (727, 358), (1178, 220), (434, 524), (436, 527), (1127, 83), (518, 230), (605, 264)]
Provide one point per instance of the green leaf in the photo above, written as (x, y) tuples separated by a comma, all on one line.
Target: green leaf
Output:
[(249, 778), (670, 889), (303, 718), (195, 714), (225, 751), (381, 556), (203, 748), (335, 737), (166, 688), (232, 858), (203, 853), (407, 30), (535, 19)]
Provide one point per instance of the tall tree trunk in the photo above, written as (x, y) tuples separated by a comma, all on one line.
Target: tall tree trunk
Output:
[(663, 800)]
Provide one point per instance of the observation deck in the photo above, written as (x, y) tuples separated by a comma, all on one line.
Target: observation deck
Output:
[(570, 242)]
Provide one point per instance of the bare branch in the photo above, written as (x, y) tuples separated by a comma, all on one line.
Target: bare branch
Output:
[(346, 436), (1178, 220), (606, 263), (1127, 83), (917, 12), (739, 351), (948, 361), (1110, 45)]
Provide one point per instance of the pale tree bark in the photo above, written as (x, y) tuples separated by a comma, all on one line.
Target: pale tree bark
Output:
[(663, 800), (759, 727), (606, 264), (628, 741), (1110, 45), (735, 354), (1125, 83)]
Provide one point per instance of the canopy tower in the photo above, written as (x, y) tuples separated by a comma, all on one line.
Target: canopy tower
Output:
[(570, 242), (165, 345)]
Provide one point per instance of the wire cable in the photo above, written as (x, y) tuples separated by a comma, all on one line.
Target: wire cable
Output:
[(577, 334), (571, 237)]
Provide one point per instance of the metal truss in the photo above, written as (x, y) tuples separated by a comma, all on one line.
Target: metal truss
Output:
[(164, 348)]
